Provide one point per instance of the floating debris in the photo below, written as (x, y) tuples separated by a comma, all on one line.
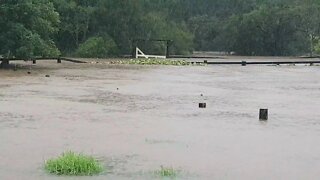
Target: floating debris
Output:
[(203, 105), (154, 62)]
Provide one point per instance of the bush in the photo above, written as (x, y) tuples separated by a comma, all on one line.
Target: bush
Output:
[(182, 39), (317, 45), (72, 164), (97, 47)]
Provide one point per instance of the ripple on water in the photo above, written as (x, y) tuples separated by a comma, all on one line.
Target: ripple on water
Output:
[(10, 120)]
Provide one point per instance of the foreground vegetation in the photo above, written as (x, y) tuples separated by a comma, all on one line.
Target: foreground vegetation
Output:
[(73, 164), (103, 28)]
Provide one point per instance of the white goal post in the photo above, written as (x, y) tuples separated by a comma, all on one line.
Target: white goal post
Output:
[(140, 54)]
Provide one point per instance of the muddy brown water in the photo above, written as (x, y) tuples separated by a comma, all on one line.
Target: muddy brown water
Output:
[(153, 119)]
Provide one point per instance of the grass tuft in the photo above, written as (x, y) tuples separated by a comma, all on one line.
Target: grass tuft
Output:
[(73, 164), (167, 172)]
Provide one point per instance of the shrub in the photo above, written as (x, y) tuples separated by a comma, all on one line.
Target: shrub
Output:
[(72, 164), (97, 47), (317, 45)]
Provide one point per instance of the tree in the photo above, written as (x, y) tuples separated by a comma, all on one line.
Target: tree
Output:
[(249, 27), (265, 31), (27, 27), (205, 30), (309, 18), (317, 45), (155, 26), (76, 16)]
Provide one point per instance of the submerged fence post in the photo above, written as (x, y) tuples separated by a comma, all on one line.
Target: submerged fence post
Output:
[(202, 105), (263, 115), (59, 60), (4, 63), (168, 49), (134, 44)]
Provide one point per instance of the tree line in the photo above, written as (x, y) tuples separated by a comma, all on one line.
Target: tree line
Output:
[(104, 28)]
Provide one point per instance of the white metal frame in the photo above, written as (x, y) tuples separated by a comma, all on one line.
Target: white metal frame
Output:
[(139, 54)]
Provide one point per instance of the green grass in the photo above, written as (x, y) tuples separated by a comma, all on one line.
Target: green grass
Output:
[(168, 172), (73, 164), (153, 62)]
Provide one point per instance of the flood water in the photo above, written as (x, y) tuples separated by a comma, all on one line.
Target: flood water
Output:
[(135, 119)]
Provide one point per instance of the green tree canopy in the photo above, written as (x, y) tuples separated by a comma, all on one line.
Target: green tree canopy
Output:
[(248, 27), (27, 27)]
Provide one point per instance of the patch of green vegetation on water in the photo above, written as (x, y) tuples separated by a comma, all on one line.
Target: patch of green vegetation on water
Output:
[(167, 172), (154, 62), (73, 164)]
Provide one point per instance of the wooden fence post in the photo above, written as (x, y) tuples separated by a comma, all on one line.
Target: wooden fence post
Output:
[(263, 115)]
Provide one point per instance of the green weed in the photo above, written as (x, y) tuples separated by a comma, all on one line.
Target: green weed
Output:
[(167, 172), (72, 164)]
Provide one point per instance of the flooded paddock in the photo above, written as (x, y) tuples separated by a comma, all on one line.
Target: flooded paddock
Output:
[(137, 118)]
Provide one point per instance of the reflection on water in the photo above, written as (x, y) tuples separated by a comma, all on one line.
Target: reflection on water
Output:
[(136, 119)]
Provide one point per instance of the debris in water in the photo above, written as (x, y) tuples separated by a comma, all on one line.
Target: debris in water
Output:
[(263, 114), (202, 105)]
